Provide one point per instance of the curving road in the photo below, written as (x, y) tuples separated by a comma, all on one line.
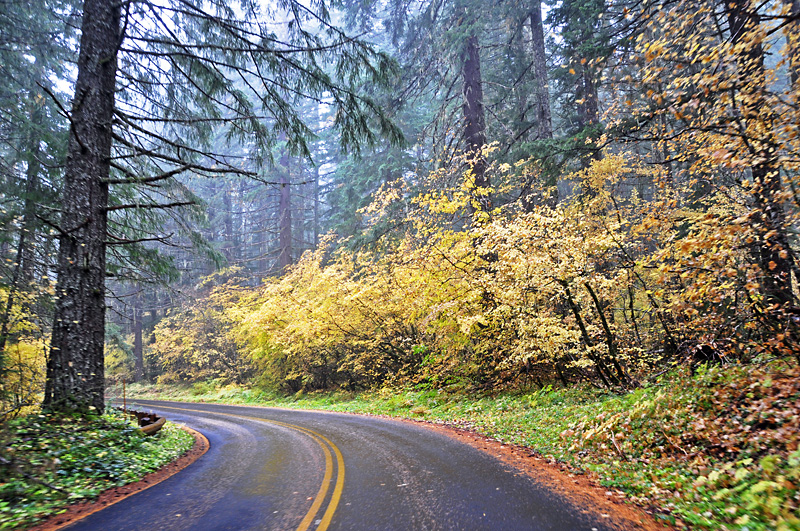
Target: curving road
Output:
[(296, 470)]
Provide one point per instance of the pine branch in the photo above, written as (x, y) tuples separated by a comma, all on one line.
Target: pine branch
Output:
[(125, 241), (149, 206), (145, 180), (174, 160)]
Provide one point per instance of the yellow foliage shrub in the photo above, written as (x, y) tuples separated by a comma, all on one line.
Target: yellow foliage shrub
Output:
[(22, 384), (620, 279)]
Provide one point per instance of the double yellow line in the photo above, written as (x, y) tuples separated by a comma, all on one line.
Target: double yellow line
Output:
[(327, 446)]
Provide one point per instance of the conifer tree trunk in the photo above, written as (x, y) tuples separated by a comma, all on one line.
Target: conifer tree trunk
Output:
[(230, 244), (793, 37), (769, 217), (584, 40), (29, 222), (138, 351), (587, 92), (239, 234), (22, 274), (474, 117), (262, 247), (75, 363), (211, 233), (544, 120), (316, 206), (285, 217)]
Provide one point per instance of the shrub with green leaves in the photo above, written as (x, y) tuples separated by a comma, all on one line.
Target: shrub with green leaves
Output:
[(48, 462)]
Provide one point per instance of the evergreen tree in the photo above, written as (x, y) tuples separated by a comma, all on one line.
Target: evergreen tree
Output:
[(34, 47), (173, 66), (584, 46)]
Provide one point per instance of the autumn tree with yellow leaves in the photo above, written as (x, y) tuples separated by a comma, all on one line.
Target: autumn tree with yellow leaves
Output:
[(677, 245), (719, 100)]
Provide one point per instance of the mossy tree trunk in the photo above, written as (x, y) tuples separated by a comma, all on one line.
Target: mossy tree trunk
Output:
[(75, 362)]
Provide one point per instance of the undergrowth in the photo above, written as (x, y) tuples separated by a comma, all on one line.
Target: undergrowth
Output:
[(717, 450), (48, 462)]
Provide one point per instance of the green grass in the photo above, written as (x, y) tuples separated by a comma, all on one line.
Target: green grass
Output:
[(718, 450), (49, 462)]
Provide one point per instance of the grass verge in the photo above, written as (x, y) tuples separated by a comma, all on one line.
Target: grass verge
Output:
[(717, 450), (50, 462)]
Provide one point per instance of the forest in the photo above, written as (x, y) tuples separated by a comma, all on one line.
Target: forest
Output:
[(570, 225), (359, 194)]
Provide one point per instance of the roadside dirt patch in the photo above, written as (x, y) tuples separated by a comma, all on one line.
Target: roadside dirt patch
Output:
[(111, 496)]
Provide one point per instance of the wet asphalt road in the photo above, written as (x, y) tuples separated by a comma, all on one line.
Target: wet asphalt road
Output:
[(296, 470)]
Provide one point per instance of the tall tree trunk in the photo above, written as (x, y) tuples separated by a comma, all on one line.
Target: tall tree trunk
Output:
[(475, 120), (587, 92), (259, 233), (5, 318), (769, 217), (230, 245), (22, 274), (285, 216), (29, 222), (75, 364), (316, 206), (239, 232), (210, 233), (588, 110), (138, 350), (544, 120), (793, 40)]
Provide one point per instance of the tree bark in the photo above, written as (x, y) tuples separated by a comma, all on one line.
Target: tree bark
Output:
[(22, 274), (316, 206), (768, 217), (475, 121), (75, 363), (29, 222), (211, 235), (138, 350), (240, 238), (587, 94), (544, 120), (588, 30), (793, 40), (285, 216), (230, 244)]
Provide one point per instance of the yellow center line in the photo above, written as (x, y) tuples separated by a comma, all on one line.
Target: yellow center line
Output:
[(337, 491), (324, 443), (323, 489)]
